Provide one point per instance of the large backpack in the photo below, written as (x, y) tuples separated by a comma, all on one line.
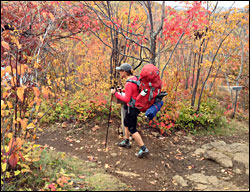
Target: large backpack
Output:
[(149, 84)]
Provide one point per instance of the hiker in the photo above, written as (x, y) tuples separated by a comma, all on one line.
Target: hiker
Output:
[(130, 121)]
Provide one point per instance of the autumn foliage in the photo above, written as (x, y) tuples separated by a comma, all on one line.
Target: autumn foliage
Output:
[(58, 60)]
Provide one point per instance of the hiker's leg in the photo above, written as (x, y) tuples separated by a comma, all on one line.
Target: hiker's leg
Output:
[(138, 139), (127, 133), (123, 113)]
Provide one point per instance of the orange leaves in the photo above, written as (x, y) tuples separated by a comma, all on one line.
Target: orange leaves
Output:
[(19, 46), (23, 123), (51, 16), (36, 91), (46, 92), (15, 144), (5, 45), (20, 93), (63, 180), (95, 128)]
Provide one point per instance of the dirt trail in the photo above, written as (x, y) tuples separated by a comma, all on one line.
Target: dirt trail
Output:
[(174, 163)]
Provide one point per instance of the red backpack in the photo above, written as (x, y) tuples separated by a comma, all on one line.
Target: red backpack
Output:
[(149, 85)]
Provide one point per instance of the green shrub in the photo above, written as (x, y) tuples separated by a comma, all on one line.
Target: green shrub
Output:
[(183, 117), (81, 108), (209, 117)]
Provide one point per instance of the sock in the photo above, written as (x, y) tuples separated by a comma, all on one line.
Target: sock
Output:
[(143, 147)]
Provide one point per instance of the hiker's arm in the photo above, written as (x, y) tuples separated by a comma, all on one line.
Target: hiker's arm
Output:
[(128, 94)]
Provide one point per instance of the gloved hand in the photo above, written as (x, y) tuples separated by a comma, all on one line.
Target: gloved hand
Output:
[(113, 90), (119, 88)]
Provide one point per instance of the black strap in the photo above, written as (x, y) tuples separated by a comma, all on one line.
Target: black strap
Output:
[(134, 81)]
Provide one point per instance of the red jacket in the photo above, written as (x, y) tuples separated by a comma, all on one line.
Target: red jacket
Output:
[(131, 90)]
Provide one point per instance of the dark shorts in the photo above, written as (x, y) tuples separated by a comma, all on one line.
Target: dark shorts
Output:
[(130, 119)]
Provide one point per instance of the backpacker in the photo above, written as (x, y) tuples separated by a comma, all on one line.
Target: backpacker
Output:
[(149, 84)]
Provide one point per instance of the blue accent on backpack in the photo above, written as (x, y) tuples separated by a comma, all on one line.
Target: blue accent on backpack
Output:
[(151, 112)]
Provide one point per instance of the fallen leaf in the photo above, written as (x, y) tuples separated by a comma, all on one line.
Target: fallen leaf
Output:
[(118, 162), (64, 124), (91, 158), (95, 128), (106, 166)]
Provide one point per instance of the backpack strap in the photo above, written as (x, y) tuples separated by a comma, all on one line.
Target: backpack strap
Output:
[(151, 91), (134, 81), (132, 101)]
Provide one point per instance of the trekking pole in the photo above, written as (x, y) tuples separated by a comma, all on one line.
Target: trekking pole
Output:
[(108, 120)]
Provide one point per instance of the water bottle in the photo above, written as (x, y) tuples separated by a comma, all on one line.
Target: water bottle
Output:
[(144, 92)]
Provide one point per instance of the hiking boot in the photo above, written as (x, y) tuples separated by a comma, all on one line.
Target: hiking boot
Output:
[(124, 144), (142, 153)]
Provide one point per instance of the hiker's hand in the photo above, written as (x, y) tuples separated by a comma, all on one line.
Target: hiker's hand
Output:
[(113, 91), (119, 88)]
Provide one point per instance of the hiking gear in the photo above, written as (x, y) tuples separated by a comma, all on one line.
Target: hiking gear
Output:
[(143, 147), (142, 153), (124, 67), (109, 121), (125, 143), (149, 85), (151, 112)]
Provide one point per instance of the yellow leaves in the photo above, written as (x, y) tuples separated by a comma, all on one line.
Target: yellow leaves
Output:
[(19, 46), (36, 65), (17, 172), (40, 114), (3, 105), (9, 135), (30, 126), (4, 166), (9, 104), (8, 69), (63, 155), (33, 159), (26, 170)]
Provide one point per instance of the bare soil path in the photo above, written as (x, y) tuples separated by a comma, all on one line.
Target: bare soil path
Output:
[(175, 162)]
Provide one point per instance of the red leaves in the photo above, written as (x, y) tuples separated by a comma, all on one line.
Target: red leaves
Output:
[(14, 149), (13, 160), (85, 18), (52, 187), (176, 22)]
